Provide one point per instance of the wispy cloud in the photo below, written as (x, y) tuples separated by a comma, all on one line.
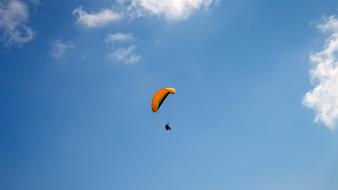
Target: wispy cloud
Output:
[(59, 48), (125, 50), (119, 37), (171, 10), (323, 98), (99, 19), (329, 24), (14, 16), (126, 55)]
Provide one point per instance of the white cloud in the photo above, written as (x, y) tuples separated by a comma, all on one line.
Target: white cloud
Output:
[(330, 24), (59, 48), (126, 55), (171, 10), (323, 98), (123, 54), (14, 16), (119, 37), (99, 19)]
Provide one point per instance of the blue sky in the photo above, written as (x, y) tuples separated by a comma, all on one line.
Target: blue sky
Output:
[(256, 103)]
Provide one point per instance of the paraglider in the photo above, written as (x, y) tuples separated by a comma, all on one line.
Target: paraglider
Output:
[(160, 96), (158, 99)]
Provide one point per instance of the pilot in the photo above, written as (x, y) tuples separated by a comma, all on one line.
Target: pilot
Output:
[(167, 127)]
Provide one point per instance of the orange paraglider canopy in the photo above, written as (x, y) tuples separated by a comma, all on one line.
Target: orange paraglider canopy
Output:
[(160, 96)]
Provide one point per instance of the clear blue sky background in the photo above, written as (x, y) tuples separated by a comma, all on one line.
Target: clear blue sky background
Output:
[(241, 71)]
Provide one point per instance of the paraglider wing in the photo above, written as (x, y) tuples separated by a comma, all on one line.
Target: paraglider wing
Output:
[(160, 96)]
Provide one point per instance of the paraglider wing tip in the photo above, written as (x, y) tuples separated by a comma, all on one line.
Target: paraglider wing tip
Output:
[(171, 90)]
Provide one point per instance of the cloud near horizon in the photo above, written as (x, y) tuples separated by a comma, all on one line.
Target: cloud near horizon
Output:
[(14, 17), (323, 98)]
